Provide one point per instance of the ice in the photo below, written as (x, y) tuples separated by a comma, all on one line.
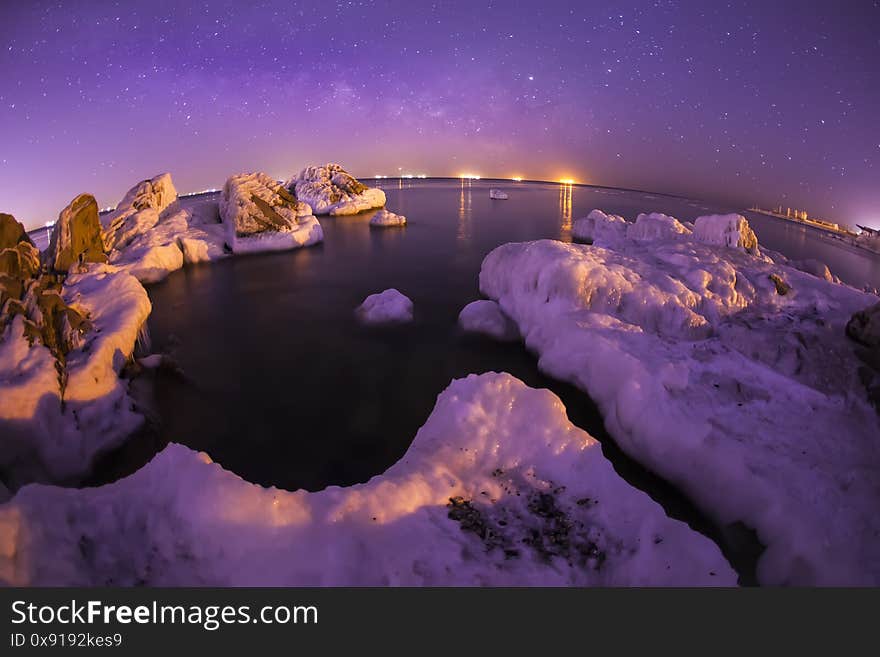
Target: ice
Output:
[(497, 488), (261, 215), (498, 194), (655, 226), (389, 306), (486, 317), (330, 189), (385, 218), (728, 375), (731, 230), (599, 228)]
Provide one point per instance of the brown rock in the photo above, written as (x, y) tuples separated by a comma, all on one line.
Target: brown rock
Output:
[(77, 235)]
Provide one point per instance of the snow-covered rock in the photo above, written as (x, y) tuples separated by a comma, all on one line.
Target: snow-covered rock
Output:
[(138, 211), (655, 226), (42, 438), (76, 237), (385, 218), (385, 307), (498, 488), (261, 215), (497, 194), (747, 399), (599, 228), (330, 189), (486, 317), (815, 267), (731, 230)]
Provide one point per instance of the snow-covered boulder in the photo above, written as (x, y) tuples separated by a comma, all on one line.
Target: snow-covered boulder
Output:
[(385, 307), (61, 400), (138, 211), (330, 189), (731, 230), (261, 215), (748, 400), (498, 488), (486, 317), (385, 218), (76, 237), (656, 226), (599, 228), (497, 194)]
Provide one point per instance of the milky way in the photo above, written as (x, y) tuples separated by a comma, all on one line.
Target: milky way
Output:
[(766, 102)]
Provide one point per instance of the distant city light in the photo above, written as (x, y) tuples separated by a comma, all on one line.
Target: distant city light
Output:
[(567, 181), (469, 176), (516, 179), (49, 224)]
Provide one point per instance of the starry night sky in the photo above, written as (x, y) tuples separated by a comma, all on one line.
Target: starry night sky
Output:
[(770, 102)]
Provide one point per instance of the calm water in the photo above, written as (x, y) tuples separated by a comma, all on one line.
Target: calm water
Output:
[(283, 386)]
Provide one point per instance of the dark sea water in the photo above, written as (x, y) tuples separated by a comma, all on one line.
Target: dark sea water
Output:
[(284, 387)]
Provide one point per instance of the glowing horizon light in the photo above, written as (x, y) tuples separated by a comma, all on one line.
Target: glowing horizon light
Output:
[(422, 175), (567, 181), (49, 224), (469, 176), (516, 179)]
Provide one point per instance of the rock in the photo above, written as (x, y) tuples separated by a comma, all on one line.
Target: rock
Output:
[(731, 230), (330, 189), (11, 232), (76, 237), (599, 227), (782, 288), (486, 317), (385, 218), (864, 326), (138, 211), (261, 215), (385, 307), (498, 195)]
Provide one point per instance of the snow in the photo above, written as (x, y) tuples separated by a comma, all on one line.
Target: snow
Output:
[(385, 218), (505, 453), (385, 307), (599, 228), (655, 226), (486, 317), (330, 189), (498, 194), (260, 215), (43, 439), (731, 230), (746, 399)]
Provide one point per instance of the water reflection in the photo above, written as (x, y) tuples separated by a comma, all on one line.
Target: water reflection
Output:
[(565, 194), (465, 212)]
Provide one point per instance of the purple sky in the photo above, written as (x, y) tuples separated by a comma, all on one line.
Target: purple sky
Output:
[(775, 102)]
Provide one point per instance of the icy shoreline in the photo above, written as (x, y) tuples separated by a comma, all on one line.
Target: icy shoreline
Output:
[(725, 373)]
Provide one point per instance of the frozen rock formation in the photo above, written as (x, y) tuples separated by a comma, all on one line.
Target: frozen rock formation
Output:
[(138, 211), (655, 226), (76, 237), (814, 267), (498, 194), (486, 317), (497, 488), (261, 215), (385, 218), (385, 307), (864, 326), (731, 230), (745, 397), (599, 228), (330, 189)]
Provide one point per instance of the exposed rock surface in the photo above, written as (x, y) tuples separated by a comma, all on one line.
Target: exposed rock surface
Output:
[(76, 237), (138, 211)]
